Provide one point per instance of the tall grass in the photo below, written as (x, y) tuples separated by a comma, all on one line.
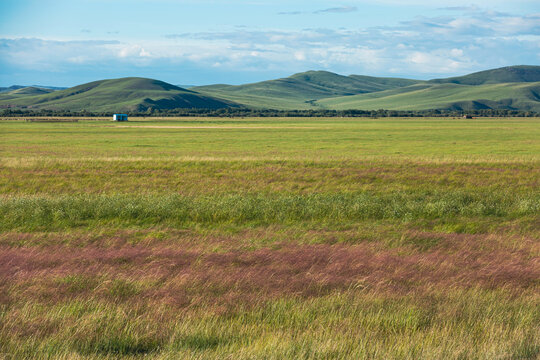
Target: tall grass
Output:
[(462, 324), (34, 213), (162, 245)]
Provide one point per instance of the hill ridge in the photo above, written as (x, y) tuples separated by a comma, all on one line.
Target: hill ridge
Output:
[(506, 74), (122, 94), (301, 90), (510, 87)]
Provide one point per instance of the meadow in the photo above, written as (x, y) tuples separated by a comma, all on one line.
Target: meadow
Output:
[(270, 238)]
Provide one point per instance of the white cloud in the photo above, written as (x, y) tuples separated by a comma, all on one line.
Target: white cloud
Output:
[(339, 10), (131, 51), (439, 61), (49, 54), (300, 55), (447, 45), (456, 52)]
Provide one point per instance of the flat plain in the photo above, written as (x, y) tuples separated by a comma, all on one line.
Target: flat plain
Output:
[(270, 238)]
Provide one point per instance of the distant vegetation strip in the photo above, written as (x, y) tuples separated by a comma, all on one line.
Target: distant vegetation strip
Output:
[(246, 112)]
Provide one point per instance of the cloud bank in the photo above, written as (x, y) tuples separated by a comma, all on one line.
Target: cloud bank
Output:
[(422, 47)]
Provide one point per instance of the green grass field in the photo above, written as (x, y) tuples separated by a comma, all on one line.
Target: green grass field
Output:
[(256, 238), (441, 96)]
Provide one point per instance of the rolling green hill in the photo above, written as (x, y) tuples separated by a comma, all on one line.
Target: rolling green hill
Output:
[(522, 96), (17, 87), (300, 91), (511, 88), (521, 73), (116, 95), (11, 88), (24, 92)]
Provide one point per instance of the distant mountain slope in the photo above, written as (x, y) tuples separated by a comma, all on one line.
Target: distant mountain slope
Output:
[(521, 73), (521, 96), (50, 87), (23, 92), (299, 91), (31, 90), (118, 95), (17, 87), (11, 88)]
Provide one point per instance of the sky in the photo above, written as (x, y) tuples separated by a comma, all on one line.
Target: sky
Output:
[(199, 42)]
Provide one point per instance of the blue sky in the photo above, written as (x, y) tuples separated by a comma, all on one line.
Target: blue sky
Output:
[(64, 43)]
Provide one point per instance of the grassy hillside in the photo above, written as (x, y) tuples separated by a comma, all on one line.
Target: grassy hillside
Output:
[(17, 87), (11, 88), (522, 73), (523, 96), (299, 91), (24, 92), (118, 95), (511, 88)]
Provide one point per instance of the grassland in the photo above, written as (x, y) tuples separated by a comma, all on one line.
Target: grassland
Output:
[(513, 87), (126, 94), (270, 239), (443, 96), (507, 74), (510, 88), (300, 91)]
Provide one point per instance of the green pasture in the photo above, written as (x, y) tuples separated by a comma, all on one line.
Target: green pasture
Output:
[(430, 96), (431, 139), (270, 238)]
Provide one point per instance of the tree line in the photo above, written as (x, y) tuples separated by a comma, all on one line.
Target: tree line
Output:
[(248, 112)]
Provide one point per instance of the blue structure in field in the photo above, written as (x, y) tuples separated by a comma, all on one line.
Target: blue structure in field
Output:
[(120, 117)]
